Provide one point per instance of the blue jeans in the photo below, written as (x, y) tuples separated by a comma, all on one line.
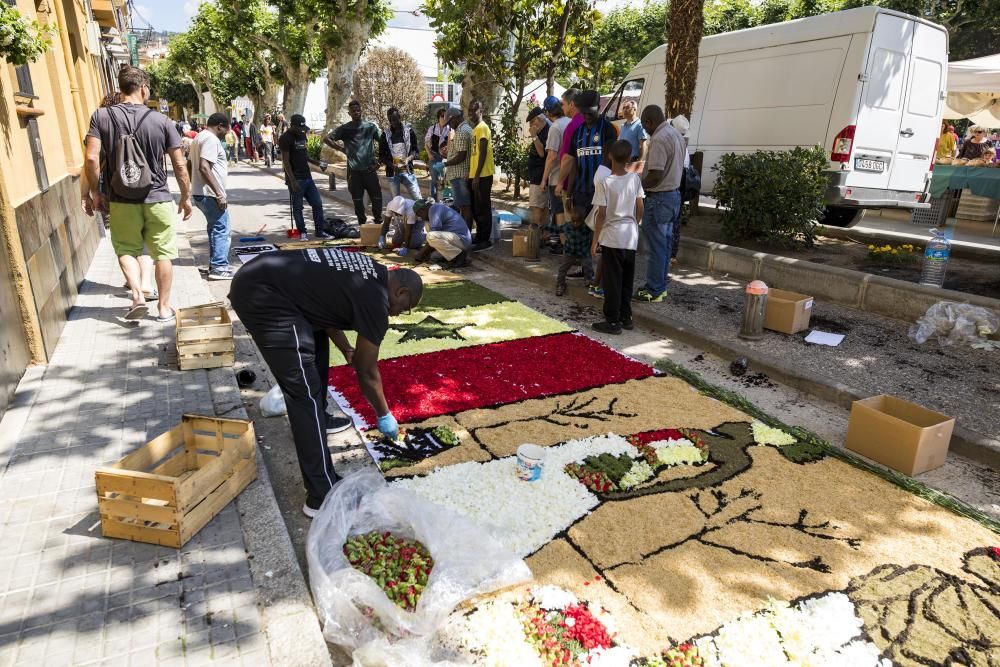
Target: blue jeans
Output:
[(661, 212), (218, 231), (437, 173), (309, 192), (404, 180)]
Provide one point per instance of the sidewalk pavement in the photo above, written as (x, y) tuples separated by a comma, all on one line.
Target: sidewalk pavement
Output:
[(233, 595)]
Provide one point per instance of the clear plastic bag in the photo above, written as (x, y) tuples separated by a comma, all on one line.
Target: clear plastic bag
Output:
[(273, 403), (955, 324), (355, 613)]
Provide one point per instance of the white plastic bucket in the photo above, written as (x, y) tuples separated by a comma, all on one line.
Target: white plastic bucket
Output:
[(530, 459)]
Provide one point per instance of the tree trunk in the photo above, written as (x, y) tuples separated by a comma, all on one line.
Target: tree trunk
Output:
[(685, 26), (479, 85), (340, 65), (296, 88)]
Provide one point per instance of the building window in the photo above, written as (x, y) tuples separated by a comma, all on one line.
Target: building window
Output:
[(433, 89)]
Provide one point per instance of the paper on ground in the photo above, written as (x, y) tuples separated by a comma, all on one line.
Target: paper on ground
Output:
[(824, 338)]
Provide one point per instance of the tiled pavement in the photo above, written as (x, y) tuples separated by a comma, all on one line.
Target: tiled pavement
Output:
[(67, 595)]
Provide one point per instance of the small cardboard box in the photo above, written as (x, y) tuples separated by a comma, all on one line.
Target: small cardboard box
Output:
[(520, 244), (902, 435), (787, 312), (370, 234)]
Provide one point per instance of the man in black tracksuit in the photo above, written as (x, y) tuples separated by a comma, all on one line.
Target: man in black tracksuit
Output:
[(293, 303)]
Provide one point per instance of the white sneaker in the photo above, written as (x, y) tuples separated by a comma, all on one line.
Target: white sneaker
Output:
[(303, 237)]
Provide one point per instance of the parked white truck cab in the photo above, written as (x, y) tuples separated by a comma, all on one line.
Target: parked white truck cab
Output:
[(867, 84)]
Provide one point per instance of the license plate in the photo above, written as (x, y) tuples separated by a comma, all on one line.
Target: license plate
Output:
[(866, 164)]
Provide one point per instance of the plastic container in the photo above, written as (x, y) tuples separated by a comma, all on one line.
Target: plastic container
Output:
[(936, 257), (754, 308), (530, 460)]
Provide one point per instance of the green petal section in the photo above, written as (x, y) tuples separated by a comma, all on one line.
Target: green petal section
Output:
[(420, 332), (457, 294)]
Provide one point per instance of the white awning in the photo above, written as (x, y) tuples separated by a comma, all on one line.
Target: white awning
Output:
[(974, 90)]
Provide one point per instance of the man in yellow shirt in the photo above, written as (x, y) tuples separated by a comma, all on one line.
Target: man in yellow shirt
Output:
[(481, 170), (946, 146)]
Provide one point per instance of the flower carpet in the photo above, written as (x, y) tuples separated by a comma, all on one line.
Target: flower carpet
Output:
[(673, 523)]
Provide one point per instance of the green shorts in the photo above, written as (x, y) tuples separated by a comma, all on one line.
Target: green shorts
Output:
[(154, 225)]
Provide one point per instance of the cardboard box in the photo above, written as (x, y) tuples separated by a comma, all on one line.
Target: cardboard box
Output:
[(370, 234), (902, 435), (520, 244), (787, 312)]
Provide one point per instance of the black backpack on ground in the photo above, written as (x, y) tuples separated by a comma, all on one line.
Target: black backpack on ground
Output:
[(690, 183), (131, 176)]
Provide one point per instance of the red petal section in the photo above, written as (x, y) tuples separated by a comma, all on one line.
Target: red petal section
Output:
[(656, 436), (421, 386)]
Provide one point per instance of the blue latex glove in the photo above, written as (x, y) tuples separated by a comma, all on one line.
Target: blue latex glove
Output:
[(402, 251), (381, 242), (388, 426)]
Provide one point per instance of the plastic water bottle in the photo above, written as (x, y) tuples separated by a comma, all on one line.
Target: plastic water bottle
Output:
[(936, 257)]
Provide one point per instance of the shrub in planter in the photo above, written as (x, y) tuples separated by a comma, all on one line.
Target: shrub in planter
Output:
[(772, 197), (314, 146)]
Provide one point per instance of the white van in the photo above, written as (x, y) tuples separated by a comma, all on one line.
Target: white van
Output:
[(868, 84)]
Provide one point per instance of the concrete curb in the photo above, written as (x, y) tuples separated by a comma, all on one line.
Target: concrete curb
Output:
[(876, 294), (289, 620), (966, 443), (958, 248)]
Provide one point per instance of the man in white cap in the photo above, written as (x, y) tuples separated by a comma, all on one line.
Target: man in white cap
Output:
[(407, 233)]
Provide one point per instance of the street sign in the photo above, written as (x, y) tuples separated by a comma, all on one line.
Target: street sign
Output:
[(164, 106), (133, 50)]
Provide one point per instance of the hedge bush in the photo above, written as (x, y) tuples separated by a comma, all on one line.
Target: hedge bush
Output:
[(770, 196), (314, 146)]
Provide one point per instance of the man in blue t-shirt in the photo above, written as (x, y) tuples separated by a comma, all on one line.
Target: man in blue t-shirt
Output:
[(447, 232), (589, 147)]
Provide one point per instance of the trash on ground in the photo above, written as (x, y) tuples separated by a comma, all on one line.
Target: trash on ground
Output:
[(273, 403), (738, 367), (817, 337), (956, 323)]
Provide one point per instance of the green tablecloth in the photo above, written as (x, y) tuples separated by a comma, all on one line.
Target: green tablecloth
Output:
[(982, 181)]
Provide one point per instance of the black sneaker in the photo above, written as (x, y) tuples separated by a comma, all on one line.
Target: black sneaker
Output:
[(461, 260), (607, 327), (628, 324), (324, 236), (220, 274), (575, 274), (338, 424), (484, 245)]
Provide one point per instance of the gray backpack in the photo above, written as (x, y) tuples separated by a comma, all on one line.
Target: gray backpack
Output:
[(131, 177)]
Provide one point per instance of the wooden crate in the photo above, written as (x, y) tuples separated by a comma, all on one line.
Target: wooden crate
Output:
[(205, 337), (168, 489)]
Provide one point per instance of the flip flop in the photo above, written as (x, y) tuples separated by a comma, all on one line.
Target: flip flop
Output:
[(137, 312), (152, 295), (168, 319)]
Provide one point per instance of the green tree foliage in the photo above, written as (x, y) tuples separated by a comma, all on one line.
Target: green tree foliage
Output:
[(619, 40), (169, 83)]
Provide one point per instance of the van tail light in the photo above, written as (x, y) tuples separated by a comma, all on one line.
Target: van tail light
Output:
[(934, 153), (842, 144)]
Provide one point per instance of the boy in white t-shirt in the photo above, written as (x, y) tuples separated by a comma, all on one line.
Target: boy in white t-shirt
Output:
[(618, 199)]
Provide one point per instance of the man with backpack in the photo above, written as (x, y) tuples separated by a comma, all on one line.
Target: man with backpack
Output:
[(136, 138)]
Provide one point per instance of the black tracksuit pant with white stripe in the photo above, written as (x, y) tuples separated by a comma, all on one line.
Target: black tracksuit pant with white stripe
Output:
[(299, 359)]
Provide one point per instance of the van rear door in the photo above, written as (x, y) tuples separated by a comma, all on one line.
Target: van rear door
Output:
[(880, 115), (920, 123)]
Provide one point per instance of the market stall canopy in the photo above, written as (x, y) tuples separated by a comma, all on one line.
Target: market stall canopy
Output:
[(974, 90)]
